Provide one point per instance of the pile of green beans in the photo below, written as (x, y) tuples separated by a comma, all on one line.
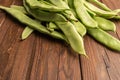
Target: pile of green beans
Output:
[(68, 20)]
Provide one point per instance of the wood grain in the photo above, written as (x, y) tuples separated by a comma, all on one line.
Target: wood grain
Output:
[(41, 57)]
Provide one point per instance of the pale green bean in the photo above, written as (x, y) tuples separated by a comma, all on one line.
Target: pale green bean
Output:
[(83, 15), (105, 24), (26, 32), (75, 40), (105, 38)]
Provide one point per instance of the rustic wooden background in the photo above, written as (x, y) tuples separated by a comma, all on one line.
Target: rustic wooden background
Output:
[(41, 57)]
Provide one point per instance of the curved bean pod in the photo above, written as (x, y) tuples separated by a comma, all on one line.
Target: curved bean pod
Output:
[(26, 32), (44, 5), (105, 38), (75, 40), (101, 5), (100, 12), (80, 28), (20, 8), (105, 24), (83, 14)]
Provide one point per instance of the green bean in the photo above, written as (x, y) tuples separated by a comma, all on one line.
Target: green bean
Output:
[(26, 32), (83, 14), (20, 8), (79, 27), (105, 24), (91, 12), (100, 12), (105, 38), (43, 5), (32, 23), (43, 15), (73, 37), (101, 5)]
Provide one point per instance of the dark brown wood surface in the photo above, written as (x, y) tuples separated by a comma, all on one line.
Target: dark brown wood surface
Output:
[(41, 57)]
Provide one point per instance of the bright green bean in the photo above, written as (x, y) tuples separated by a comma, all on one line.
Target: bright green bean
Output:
[(101, 5), (100, 12), (105, 24), (79, 27), (91, 12), (73, 37), (44, 5), (20, 8), (83, 14), (105, 38), (26, 32)]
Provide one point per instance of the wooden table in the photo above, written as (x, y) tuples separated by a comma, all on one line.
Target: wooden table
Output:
[(41, 57)]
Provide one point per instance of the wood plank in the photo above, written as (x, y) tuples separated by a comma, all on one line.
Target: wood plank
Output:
[(69, 66), (94, 67), (45, 63), (36, 58)]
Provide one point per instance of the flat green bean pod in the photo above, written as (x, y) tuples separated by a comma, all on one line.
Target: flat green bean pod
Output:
[(75, 40), (105, 38), (83, 15), (105, 24), (79, 27), (20, 8), (26, 32), (100, 12), (101, 5), (91, 12), (44, 5)]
